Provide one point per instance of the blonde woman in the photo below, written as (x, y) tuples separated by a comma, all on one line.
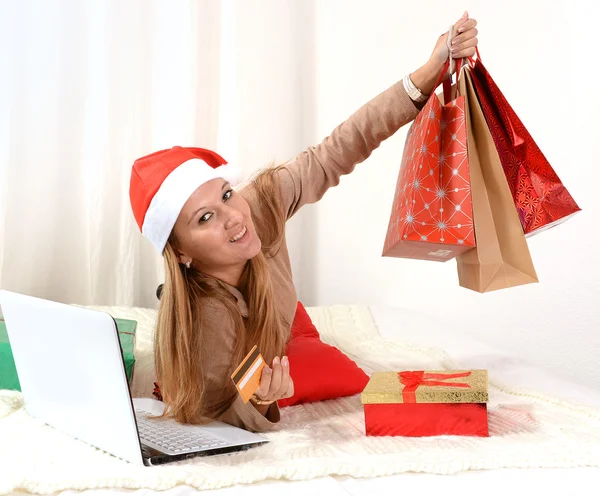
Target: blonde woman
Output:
[(228, 283)]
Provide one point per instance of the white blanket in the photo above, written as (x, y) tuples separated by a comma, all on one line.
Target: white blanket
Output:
[(527, 430)]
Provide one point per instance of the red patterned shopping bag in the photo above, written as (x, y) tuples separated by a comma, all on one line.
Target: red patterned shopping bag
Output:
[(432, 214), (539, 195)]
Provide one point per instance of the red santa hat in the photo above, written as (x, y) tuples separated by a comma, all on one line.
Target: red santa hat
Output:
[(162, 182)]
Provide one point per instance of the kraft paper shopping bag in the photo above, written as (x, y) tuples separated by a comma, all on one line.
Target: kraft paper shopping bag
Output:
[(501, 258)]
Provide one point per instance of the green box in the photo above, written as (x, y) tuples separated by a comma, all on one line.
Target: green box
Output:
[(8, 373)]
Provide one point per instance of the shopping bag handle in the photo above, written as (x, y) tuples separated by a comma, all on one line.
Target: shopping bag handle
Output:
[(442, 74), (471, 60), (447, 87)]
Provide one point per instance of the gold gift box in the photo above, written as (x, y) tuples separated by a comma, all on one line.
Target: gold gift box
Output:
[(386, 387)]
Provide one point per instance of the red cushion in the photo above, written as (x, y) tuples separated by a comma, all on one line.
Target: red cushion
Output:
[(320, 372)]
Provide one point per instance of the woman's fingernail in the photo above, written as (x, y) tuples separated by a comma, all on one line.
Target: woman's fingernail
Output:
[(275, 360), (285, 362), (267, 369)]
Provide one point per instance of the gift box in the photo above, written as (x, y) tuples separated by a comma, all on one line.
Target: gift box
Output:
[(427, 403), (8, 372), (127, 334)]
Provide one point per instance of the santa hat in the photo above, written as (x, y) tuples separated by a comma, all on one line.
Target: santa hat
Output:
[(162, 182)]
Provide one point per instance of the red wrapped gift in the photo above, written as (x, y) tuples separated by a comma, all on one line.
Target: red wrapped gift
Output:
[(539, 195), (433, 403), (432, 215)]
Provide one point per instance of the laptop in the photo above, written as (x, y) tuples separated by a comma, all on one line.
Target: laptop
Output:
[(72, 376)]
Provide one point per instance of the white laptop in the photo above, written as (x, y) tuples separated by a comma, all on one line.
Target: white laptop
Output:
[(72, 377)]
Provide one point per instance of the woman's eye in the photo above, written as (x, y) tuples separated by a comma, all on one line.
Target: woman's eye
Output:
[(205, 217), (227, 194)]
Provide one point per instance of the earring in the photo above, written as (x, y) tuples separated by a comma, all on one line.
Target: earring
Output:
[(188, 264)]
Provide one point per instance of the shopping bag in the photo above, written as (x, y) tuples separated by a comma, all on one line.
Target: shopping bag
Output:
[(540, 197), (432, 214), (501, 258)]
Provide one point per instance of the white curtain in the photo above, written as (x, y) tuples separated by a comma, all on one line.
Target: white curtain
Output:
[(89, 86)]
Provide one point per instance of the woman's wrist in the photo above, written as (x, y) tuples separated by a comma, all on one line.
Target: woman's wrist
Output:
[(262, 409), (426, 76), (259, 401), (261, 405)]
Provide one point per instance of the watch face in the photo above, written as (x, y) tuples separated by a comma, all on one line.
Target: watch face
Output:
[(412, 91)]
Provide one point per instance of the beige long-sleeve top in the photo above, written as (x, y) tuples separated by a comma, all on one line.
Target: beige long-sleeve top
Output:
[(303, 180)]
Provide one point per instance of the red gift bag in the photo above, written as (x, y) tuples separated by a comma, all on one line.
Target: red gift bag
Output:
[(540, 197), (432, 214)]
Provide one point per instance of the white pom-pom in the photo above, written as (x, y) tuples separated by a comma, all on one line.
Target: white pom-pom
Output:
[(231, 173)]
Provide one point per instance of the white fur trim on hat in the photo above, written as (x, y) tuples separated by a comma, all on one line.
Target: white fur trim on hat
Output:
[(174, 191)]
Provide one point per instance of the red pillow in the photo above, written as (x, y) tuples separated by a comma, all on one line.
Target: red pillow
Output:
[(320, 372)]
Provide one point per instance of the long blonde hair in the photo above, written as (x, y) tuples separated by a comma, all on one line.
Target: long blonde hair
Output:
[(178, 338)]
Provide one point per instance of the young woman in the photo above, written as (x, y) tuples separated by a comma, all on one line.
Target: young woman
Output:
[(228, 282)]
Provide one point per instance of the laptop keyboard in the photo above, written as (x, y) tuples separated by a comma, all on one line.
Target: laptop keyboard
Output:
[(171, 437)]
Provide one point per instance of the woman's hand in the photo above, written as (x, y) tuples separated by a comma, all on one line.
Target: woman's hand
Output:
[(464, 42), (275, 382)]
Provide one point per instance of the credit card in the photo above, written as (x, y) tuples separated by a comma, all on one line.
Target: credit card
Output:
[(247, 376)]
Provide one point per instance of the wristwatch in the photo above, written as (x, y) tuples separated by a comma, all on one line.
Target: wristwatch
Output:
[(413, 92)]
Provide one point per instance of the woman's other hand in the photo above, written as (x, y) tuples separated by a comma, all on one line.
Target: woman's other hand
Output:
[(275, 382)]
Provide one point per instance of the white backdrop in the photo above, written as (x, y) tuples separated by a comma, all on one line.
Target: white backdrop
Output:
[(89, 86)]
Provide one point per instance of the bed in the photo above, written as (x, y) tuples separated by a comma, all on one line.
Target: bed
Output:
[(523, 390)]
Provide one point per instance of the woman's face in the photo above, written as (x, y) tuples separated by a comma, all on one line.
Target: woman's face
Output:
[(214, 229)]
